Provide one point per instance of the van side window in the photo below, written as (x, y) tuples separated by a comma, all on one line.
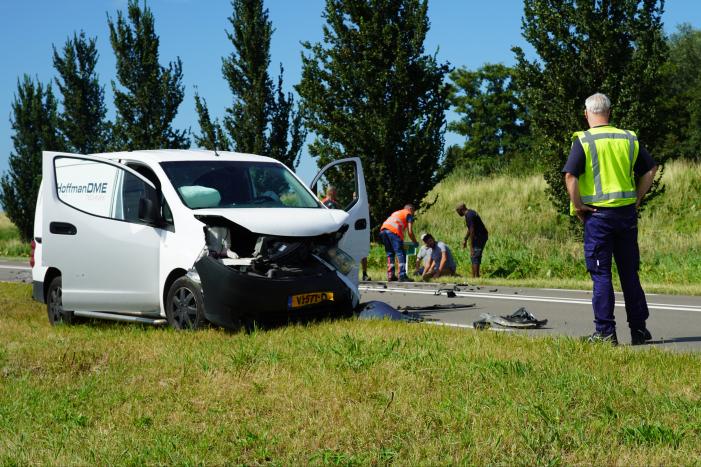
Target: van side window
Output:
[(87, 185), (100, 189), (151, 176), (132, 190)]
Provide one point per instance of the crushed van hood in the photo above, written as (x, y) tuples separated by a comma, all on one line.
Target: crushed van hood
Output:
[(286, 222)]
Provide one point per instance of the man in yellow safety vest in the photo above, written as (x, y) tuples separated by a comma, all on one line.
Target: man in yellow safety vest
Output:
[(600, 174)]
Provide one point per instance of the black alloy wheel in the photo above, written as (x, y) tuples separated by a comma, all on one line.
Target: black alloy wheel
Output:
[(54, 304), (184, 305)]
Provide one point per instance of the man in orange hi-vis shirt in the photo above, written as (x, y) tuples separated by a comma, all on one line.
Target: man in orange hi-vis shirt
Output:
[(392, 236)]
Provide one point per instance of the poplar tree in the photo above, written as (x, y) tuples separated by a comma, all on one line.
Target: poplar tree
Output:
[(614, 47), (370, 91), (82, 122), (492, 118), (262, 118), (148, 95), (34, 123)]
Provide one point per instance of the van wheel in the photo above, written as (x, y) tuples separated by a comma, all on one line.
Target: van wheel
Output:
[(54, 304), (184, 305)]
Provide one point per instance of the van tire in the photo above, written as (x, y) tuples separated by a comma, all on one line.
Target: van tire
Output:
[(185, 305), (54, 304)]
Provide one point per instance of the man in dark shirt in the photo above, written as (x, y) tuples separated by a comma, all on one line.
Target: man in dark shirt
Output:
[(607, 175), (476, 233)]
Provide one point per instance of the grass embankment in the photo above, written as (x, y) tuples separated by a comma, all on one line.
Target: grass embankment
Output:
[(345, 392), (10, 244), (529, 244)]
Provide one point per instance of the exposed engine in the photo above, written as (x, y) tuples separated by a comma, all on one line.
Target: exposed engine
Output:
[(273, 256)]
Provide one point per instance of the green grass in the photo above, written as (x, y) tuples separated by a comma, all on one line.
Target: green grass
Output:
[(345, 392), (10, 243), (530, 243)]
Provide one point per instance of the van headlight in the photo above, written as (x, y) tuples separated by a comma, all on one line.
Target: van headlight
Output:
[(341, 260)]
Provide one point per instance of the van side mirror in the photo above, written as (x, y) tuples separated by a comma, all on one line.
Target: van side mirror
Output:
[(148, 212)]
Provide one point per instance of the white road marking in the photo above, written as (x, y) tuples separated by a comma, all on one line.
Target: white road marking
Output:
[(533, 298), (23, 268), (589, 291)]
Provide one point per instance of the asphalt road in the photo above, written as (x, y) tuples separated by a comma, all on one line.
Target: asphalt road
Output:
[(11, 271), (675, 321)]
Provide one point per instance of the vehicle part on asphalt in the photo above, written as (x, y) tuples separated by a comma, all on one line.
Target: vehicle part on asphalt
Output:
[(381, 310), (452, 306), (524, 316), (449, 291), (521, 319)]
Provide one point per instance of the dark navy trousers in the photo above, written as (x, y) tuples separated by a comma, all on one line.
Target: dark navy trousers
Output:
[(393, 246), (614, 232)]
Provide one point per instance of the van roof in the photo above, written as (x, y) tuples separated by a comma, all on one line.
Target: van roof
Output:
[(164, 155)]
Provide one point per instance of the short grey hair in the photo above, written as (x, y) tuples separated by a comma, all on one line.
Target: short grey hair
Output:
[(598, 104)]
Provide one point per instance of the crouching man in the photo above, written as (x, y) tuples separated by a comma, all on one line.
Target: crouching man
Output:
[(441, 262)]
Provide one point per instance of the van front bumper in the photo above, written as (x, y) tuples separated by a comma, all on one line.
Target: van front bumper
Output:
[(232, 297)]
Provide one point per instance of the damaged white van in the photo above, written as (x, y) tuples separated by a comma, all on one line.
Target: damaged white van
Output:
[(195, 236)]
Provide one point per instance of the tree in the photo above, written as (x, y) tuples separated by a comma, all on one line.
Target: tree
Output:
[(370, 91), (617, 48), (261, 119), (82, 123), (683, 94), (150, 94), (34, 123), (492, 117)]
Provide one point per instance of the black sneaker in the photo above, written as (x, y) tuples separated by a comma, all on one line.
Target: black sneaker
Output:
[(405, 278), (639, 336), (392, 278), (366, 278), (597, 337)]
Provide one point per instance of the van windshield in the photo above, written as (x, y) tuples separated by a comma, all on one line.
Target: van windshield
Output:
[(237, 184)]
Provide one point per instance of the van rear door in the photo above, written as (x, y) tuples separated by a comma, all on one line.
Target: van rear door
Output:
[(346, 178), (91, 232)]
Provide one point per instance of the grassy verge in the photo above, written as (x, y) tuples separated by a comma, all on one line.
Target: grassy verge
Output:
[(345, 392), (530, 243), (10, 244)]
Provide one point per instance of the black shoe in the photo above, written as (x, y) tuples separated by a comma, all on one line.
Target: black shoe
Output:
[(639, 336), (366, 278), (392, 278), (405, 278), (605, 338)]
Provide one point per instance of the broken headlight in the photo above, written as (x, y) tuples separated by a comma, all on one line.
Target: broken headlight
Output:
[(338, 258)]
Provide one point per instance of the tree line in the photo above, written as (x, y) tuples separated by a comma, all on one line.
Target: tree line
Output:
[(369, 89)]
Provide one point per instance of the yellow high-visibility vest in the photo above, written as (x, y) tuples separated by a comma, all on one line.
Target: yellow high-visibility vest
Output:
[(608, 178)]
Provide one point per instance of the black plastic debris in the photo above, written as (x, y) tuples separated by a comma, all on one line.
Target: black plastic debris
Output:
[(520, 319), (451, 306), (449, 292), (381, 310), (524, 316)]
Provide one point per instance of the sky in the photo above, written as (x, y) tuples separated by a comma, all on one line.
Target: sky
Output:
[(465, 33)]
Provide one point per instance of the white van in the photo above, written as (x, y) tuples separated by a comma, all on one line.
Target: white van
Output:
[(195, 236)]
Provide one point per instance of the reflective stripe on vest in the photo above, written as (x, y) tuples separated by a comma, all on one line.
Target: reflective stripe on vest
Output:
[(622, 189), (396, 222)]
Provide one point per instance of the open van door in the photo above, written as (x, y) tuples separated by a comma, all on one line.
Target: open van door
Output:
[(95, 232), (341, 185)]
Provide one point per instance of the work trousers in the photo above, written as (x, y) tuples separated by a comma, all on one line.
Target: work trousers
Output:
[(614, 232), (394, 246)]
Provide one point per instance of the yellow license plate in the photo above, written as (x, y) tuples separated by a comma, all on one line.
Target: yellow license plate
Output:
[(307, 299)]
